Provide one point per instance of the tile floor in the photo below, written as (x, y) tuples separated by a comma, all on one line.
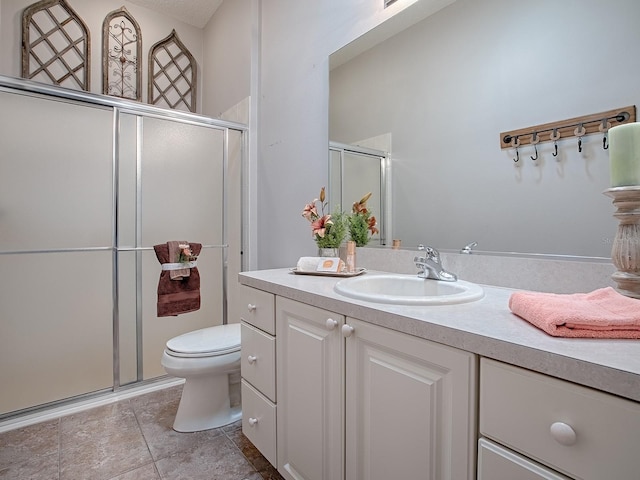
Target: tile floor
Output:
[(130, 440)]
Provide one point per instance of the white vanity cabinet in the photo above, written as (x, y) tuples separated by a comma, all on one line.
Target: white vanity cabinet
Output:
[(258, 370), (310, 389), (583, 433), (359, 401)]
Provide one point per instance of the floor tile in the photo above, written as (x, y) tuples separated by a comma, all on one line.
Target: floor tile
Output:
[(147, 472), (104, 457), (38, 467), (24, 443), (97, 423), (217, 459)]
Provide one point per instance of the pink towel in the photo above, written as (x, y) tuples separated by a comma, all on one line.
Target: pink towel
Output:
[(603, 313)]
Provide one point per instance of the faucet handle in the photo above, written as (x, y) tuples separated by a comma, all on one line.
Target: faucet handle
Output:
[(469, 247), (433, 254)]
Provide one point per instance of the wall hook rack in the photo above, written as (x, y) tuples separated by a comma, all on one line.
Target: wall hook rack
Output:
[(572, 127)]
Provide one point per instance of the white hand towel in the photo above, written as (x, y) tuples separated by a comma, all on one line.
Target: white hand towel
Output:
[(308, 264)]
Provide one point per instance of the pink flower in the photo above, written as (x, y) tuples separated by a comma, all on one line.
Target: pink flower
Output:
[(361, 206), (310, 211), (372, 225), (319, 226)]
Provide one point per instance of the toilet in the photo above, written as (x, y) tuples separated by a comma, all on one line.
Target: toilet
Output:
[(209, 361)]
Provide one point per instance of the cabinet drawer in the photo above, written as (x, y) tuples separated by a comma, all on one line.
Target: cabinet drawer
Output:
[(259, 421), (518, 409), (258, 362), (258, 309), (498, 463)]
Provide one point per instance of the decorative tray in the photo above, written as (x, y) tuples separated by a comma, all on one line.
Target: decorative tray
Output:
[(359, 271)]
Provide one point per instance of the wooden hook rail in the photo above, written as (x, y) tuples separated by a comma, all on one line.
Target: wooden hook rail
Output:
[(572, 127)]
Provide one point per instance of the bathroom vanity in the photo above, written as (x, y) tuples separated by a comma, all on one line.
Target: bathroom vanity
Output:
[(337, 388)]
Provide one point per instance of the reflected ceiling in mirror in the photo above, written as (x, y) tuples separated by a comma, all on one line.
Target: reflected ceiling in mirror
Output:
[(443, 89)]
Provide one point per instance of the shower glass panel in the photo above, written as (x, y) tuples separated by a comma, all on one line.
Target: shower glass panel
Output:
[(55, 250), (182, 198), (55, 174)]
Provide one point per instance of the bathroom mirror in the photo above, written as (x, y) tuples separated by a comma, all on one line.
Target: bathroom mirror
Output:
[(442, 91)]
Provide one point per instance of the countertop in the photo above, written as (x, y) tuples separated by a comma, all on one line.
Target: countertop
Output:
[(485, 327)]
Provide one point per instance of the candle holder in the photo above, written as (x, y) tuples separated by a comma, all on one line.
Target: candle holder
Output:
[(625, 252)]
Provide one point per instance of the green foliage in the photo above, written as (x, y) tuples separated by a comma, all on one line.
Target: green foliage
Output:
[(359, 229), (335, 233)]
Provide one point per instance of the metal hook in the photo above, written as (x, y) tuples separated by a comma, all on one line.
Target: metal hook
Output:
[(579, 132), (516, 143), (604, 128), (534, 142), (555, 135)]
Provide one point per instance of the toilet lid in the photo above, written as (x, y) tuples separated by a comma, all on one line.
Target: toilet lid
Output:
[(209, 341)]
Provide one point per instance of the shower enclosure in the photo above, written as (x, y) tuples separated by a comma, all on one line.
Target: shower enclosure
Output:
[(88, 184), (355, 171)]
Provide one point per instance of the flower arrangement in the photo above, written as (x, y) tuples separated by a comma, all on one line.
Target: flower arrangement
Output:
[(361, 223), (328, 230), (186, 255)]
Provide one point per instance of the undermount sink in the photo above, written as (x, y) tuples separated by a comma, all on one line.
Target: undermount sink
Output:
[(399, 289)]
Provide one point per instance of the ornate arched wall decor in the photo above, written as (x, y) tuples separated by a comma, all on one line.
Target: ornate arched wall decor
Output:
[(55, 45), (172, 75), (121, 55)]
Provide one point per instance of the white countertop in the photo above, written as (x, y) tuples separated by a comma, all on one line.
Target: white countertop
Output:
[(485, 327)]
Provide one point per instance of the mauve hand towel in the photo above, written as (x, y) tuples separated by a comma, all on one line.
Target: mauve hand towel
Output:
[(174, 257), (603, 313), (177, 296)]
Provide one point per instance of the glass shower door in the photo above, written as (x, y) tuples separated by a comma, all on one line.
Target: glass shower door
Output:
[(55, 250)]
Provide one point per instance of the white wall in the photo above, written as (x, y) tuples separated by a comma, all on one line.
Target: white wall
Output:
[(154, 28), (227, 57), (449, 85), (297, 38)]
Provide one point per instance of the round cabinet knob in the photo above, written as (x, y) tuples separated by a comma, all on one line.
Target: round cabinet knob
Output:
[(251, 307), (347, 330), (252, 359), (331, 323), (563, 433), (252, 421)]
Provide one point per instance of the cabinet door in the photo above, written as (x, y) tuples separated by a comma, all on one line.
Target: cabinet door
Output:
[(310, 358), (409, 407)]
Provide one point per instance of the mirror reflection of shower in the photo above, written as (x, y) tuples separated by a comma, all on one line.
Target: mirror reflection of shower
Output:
[(353, 172)]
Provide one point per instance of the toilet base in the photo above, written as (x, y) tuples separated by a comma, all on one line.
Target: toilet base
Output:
[(205, 404)]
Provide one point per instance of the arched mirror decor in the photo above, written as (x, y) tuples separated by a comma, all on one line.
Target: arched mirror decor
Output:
[(121, 55), (172, 75), (55, 45)]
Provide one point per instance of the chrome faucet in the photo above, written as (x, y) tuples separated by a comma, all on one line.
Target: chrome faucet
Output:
[(430, 266)]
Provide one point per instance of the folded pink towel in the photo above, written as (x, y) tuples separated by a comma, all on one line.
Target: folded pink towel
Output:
[(603, 313)]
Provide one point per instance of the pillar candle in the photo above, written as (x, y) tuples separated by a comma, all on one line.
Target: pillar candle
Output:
[(624, 154)]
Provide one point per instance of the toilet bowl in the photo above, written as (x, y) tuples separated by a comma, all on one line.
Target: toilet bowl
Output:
[(209, 361)]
